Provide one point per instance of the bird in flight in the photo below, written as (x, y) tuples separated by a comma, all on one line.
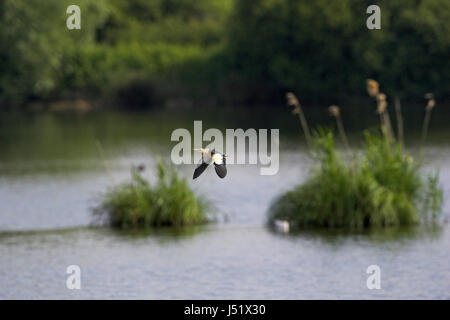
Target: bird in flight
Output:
[(214, 157)]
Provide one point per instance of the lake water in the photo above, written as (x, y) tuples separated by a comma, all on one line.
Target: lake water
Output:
[(51, 174)]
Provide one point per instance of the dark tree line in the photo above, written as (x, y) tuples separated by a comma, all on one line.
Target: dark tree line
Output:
[(246, 51)]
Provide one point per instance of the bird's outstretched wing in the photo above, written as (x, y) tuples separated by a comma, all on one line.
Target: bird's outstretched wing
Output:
[(221, 169), (204, 163)]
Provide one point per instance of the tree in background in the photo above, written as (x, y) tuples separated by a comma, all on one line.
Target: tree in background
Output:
[(34, 40), (323, 47), (237, 51)]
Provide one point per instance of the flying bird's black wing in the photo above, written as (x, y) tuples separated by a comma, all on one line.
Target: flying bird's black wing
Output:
[(221, 170), (201, 167), (199, 170)]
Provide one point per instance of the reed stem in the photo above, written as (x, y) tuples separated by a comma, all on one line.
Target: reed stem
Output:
[(105, 162), (426, 123), (340, 126), (389, 130), (305, 127), (398, 111), (293, 101)]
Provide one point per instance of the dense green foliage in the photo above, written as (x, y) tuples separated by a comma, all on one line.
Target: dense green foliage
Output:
[(324, 48), (143, 53), (35, 43), (382, 188), (138, 204)]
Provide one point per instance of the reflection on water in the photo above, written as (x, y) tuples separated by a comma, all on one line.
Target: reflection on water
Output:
[(221, 262), (338, 237), (51, 174)]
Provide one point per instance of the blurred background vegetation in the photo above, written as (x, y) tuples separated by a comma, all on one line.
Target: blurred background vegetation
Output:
[(141, 53)]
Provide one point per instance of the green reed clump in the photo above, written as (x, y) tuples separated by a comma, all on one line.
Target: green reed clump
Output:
[(383, 187), (138, 204)]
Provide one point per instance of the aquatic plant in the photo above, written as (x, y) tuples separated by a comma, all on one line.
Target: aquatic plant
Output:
[(382, 188), (426, 121), (292, 101), (373, 89), (399, 117), (138, 204), (335, 112)]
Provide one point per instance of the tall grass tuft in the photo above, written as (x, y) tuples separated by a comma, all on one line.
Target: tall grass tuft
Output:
[(383, 188), (138, 204)]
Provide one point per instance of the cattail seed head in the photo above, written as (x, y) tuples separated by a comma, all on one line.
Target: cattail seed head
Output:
[(334, 110), (431, 103), (291, 99), (381, 97), (372, 87)]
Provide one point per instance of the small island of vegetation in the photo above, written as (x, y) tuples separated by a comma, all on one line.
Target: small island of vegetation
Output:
[(383, 186), (140, 205)]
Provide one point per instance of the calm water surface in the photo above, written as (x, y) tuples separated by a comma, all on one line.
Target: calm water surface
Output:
[(51, 174)]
